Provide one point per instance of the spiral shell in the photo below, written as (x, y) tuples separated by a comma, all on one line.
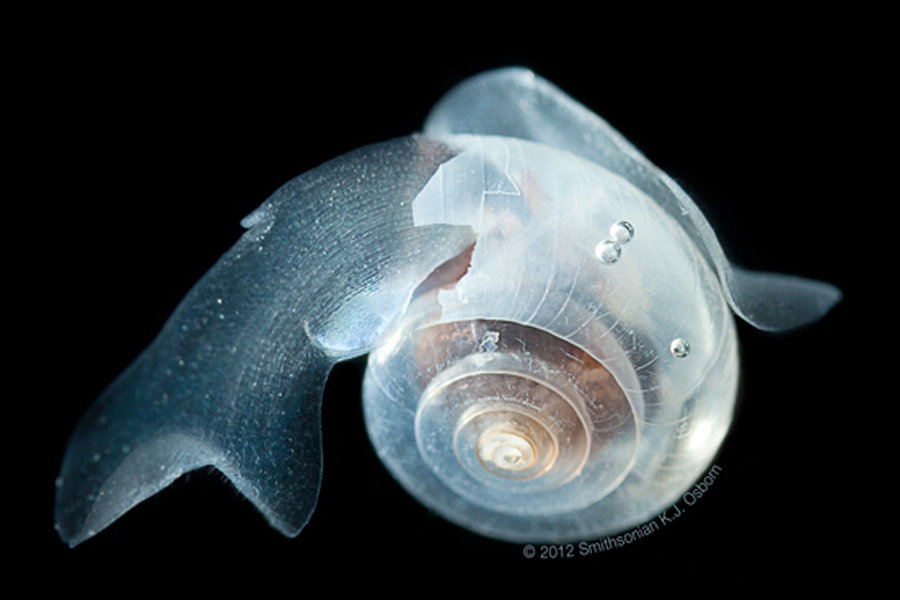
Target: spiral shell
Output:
[(540, 398)]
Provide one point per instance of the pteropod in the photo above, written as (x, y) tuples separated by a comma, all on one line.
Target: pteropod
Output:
[(549, 320)]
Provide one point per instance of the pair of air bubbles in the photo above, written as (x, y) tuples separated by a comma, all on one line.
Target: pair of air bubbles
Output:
[(609, 251)]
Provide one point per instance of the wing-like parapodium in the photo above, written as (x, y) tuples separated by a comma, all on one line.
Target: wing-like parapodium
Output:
[(234, 379), (516, 103)]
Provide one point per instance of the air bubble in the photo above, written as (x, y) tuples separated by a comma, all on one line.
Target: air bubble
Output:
[(621, 232), (608, 251), (679, 348)]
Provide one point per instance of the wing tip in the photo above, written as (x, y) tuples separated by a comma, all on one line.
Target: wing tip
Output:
[(776, 302)]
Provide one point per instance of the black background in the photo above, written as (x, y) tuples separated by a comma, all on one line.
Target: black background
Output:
[(147, 140)]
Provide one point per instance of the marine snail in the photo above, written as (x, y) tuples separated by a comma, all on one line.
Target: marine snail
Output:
[(549, 317)]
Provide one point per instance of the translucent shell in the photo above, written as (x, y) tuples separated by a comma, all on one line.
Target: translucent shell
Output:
[(538, 398), (549, 316)]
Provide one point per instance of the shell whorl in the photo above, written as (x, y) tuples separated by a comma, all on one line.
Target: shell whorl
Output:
[(508, 410)]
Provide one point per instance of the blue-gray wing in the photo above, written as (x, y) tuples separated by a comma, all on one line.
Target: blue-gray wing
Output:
[(235, 377), (514, 102)]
